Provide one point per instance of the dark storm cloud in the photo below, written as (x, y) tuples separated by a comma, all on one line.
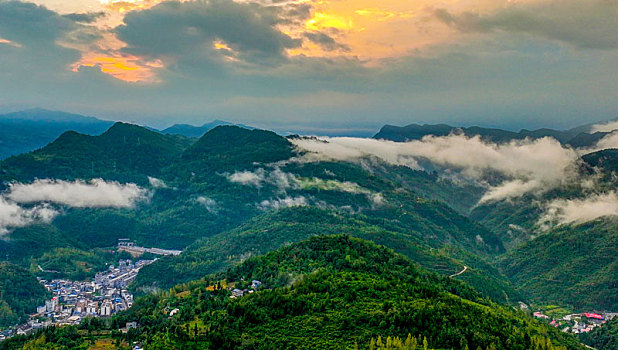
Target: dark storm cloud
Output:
[(188, 30), (39, 41), (589, 24), (28, 24)]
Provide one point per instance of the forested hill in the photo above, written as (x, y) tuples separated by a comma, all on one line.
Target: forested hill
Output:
[(236, 193), (276, 229), (574, 264), (329, 292), (197, 131), (125, 152), (29, 130), (229, 148), (605, 160), (19, 291), (204, 192)]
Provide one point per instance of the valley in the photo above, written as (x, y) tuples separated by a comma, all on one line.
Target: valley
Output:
[(305, 216)]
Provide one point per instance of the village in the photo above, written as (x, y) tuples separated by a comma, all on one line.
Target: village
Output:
[(72, 301), (579, 322), (104, 296)]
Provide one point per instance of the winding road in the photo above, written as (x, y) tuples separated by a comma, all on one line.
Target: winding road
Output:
[(460, 272)]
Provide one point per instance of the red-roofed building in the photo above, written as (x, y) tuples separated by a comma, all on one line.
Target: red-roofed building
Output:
[(595, 316)]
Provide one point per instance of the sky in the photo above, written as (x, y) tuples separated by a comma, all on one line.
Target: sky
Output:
[(314, 65)]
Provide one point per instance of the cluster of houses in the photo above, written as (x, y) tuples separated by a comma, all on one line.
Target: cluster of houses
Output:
[(237, 293), (74, 300), (578, 323)]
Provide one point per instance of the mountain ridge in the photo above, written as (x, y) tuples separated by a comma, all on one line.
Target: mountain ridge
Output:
[(580, 136)]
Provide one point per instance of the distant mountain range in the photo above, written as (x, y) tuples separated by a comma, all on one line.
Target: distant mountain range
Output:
[(31, 129), (580, 136), (197, 131)]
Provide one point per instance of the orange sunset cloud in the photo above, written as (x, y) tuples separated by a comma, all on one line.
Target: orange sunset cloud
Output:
[(124, 67), (370, 30)]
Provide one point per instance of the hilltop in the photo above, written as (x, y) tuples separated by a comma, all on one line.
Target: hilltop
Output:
[(328, 293), (198, 131), (124, 152), (276, 229), (31, 129)]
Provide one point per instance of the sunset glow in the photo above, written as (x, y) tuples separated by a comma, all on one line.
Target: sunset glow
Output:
[(127, 68), (370, 30), (123, 6), (8, 42), (308, 59)]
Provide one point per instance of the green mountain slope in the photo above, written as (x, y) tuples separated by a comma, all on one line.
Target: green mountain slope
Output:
[(323, 293), (201, 202), (332, 292), (20, 294), (571, 265), (124, 152), (602, 338), (228, 148), (32, 129), (606, 161), (197, 131), (274, 230)]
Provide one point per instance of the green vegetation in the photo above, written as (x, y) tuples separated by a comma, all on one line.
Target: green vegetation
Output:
[(224, 225), (229, 148), (575, 265), (602, 338), (416, 132), (125, 152), (20, 293), (605, 160), (270, 231), (175, 218), (74, 264), (328, 292)]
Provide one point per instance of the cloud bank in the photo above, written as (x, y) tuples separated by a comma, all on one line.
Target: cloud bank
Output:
[(12, 215), (284, 181), (577, 211), (78, 194), (527, 166), (609, 141), (605, 127), (247, 177), (25, 204)]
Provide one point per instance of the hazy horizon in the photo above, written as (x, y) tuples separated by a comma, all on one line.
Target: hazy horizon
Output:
[(328, 64)]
